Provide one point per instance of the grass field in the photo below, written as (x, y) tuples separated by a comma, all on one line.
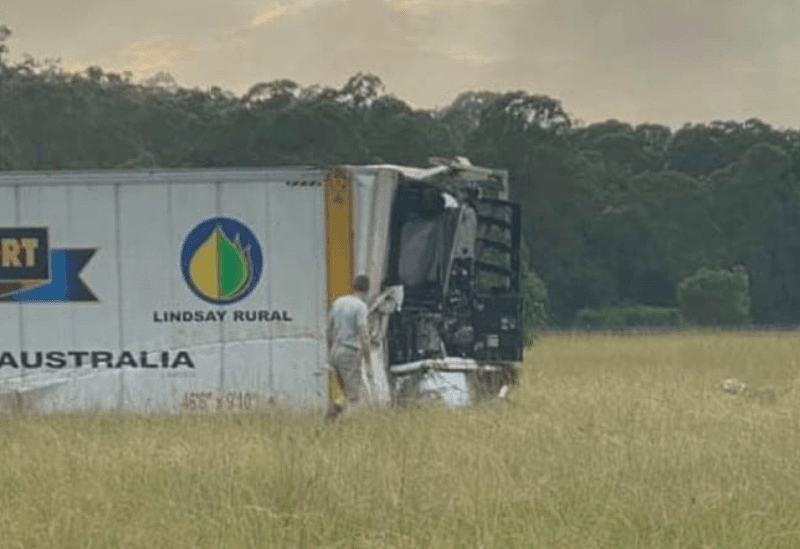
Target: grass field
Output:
[(609, 442)]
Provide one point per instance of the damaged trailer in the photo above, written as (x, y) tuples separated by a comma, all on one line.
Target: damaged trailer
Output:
[(451, 265), (208, 289)]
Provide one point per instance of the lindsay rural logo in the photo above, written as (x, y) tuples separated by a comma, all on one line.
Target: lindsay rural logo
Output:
[(31, 271), (221, 260)]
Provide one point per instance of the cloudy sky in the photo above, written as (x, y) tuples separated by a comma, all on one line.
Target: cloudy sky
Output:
[(667, 61)]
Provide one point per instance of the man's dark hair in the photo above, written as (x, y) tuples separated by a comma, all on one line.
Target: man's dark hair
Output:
[(361, 283)]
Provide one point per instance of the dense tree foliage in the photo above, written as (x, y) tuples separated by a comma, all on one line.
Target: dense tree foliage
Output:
[(614, 215), (716, 298)]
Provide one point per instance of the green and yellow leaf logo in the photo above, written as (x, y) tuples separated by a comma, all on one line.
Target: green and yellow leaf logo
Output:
[(221, 260)]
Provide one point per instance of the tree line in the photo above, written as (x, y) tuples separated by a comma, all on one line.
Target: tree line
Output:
[(614, 214)]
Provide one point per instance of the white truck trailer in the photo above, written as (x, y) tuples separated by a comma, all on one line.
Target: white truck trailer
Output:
[(207, 289)]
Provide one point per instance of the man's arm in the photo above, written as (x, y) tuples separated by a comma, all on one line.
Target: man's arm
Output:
[(363, 338), (329, 332)]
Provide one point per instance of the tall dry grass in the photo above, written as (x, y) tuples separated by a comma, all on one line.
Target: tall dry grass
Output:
[(609, 442)]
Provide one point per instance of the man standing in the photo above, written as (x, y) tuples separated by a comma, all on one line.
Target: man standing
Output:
[(348, 342)]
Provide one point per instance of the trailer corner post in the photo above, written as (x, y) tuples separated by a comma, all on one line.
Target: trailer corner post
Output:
[(339, 250)]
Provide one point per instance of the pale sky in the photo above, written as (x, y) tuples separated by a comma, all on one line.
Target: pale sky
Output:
[(665, 61)]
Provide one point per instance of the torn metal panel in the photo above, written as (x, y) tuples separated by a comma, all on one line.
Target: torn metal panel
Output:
[(374, 194), (380, 310), (451, 364), (420, 174)]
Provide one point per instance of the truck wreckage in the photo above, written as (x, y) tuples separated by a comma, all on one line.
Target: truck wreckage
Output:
[(448, 322), (106, 273)]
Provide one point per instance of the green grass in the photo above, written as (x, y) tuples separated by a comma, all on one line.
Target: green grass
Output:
[(609, 442)]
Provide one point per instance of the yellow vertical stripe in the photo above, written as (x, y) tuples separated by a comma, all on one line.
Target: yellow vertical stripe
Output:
[(339, 235), (339, 206)]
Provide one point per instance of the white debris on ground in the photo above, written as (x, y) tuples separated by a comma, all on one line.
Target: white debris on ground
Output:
[(734, 386), (739, 388)]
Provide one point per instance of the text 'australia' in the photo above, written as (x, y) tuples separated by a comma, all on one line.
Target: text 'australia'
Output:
[(95, 359), (222, 315)]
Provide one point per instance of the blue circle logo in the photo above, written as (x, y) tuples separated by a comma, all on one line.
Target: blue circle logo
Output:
[(221, 260)]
